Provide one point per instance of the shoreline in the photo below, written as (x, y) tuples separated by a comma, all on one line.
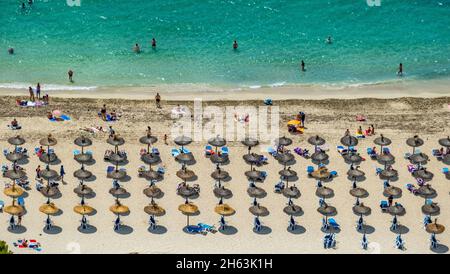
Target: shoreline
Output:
[(177, 92)]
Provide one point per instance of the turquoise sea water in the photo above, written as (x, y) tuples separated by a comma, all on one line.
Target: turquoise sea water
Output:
[(195, 41)]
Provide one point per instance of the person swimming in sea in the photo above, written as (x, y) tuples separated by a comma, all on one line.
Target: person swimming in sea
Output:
[(11, 51), (235, 45), (329, 40), (302, 65), (400, 70), (153, 43), (136, 48)]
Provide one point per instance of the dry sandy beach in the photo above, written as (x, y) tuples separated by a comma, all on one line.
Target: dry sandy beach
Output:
[(397, 119)]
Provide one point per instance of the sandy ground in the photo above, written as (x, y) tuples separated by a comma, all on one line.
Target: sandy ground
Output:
[(397, 119)]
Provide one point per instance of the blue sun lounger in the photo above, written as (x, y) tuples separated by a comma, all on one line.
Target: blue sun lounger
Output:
[(333, 223), (194, 229)]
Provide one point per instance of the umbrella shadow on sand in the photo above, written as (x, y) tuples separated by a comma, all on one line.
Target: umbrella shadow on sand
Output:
[(263, 231), (229, 230), (159, 230), (401, 229), (124, 230), (53, 230), (19, 229), (331, 229), (91, 179), (89, 230), (298, 230), (366, 229), (440, 248)]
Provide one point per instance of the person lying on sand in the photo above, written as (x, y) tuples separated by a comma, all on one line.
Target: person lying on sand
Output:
[(93, 130)]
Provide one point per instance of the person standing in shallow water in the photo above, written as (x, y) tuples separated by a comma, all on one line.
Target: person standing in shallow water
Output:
[(235, 45), (136, 48), (70, 73), (38, 91), (302, 66), (158, 100), (400, 70), (153, 43)]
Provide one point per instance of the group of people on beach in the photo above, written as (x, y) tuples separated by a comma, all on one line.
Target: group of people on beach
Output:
[(37, 96)]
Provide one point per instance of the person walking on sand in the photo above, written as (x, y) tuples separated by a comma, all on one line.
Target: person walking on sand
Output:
[(103, 112), (165, 140), (30, 90), (62, 172), (38, 91), (153, 43), (158, 100), (303, 118), (235, 45), (302, 65), (70, 73)]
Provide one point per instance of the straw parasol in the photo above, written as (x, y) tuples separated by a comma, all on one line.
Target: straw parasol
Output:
[(392, 191), (250, 142), (424, 174), (349, 141), (414, 141), (115, 141), (283, 141), (14, 156), (119, 209), (150, 158), (385, 159), (324, 192), (184, 157), (48, 157), (185, 174), (182, 140), (445, 142), (419, 158), (83, 190), (222, 192), (431, 209), (82, 174), (83, 158), (291, 192), (355, 173), (388, 174), (316, 140), (426, 191), (83, 141), (48, 174), (224, 210), (285, 158), (15, 174), (251, 158), (155, 210), (320, 174), (13, 191), (353, 158), (382, 141), (48, 141), (287, 173), (219, 159), (293, 210), (435, 228), (186, 191), (83, 209), (49, 209), (396, 210), (217, 141), (188, 209), (256, 192), (16, 141), (327, 210), (259, 210), (219, 174), (319, 156), (118, 191), (148, 139), (116, 158), (117, 174), (359, 192), (14, 209), (151, 175), (153, 192), (49, 192), (361, 209), (253, 174)]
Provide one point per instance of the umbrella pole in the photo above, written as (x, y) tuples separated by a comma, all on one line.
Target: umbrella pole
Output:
[(287, 182), (187, 220)]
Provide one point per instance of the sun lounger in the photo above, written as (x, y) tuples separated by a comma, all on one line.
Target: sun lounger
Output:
[(272, 151), (445, 170), (209, 150), (268, 102), (76, 152), (110, 169), (279, 187), (206, 227), (310, 169), (333, 174), (411, 188), (224, 150), (411, 168), (21, 201), (384, 205), (333, 223), (258, 225), (195, 229), (175, 152)]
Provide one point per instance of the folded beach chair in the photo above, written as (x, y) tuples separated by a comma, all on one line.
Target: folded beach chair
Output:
[(384, 205), (333, 223), (224, 150), (175, 152)]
